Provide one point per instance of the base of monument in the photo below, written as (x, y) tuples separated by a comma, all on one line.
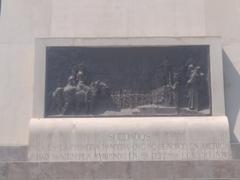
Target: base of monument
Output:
[(129, 139), (161, 170), (13, 153)]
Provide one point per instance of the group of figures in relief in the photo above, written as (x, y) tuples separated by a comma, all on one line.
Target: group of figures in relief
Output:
[(182, 89), (82, 97)]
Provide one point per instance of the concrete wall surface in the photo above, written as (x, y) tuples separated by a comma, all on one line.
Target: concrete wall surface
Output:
[(23, 21)]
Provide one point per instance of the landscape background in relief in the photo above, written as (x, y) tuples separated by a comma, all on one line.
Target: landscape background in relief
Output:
[(127, 81)]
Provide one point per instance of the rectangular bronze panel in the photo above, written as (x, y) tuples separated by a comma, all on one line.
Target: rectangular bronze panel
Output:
[(127, 81)]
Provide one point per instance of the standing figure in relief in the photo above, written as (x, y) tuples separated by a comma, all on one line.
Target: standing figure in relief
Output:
[(69, 96), (175, 90), (193, 82)]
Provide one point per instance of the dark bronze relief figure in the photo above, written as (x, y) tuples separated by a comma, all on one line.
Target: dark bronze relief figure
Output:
[(146, 81), (194, 85)]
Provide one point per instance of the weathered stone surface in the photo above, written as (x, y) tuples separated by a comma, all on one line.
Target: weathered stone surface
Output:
[(3, 171), (13, 153), (168, 170), (130, 139), (235, 150)]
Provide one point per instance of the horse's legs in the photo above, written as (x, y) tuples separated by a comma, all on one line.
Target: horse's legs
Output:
[(65, 108)]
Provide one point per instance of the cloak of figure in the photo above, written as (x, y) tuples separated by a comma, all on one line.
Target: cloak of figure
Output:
[(193, 82)]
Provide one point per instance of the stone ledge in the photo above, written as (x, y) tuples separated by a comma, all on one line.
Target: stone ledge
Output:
[(120, 170), (13, 153)]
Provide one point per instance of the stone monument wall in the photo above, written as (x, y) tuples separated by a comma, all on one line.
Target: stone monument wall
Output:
[(22, 22)]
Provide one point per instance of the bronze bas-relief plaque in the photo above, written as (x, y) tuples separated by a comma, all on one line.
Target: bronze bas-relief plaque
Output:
[(127, 81)]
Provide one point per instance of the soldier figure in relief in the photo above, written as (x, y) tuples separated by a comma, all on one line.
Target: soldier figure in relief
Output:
[(193, 82)]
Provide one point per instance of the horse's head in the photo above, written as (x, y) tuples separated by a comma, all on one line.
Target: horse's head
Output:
[(99, 88)]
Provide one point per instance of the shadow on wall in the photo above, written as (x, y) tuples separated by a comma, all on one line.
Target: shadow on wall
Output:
[(232, 94)]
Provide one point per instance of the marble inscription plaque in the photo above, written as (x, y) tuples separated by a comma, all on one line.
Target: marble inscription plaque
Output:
[(127, 81), (118, 140)]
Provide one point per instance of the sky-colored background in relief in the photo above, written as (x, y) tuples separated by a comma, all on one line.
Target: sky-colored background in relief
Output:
[(22, 21)]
